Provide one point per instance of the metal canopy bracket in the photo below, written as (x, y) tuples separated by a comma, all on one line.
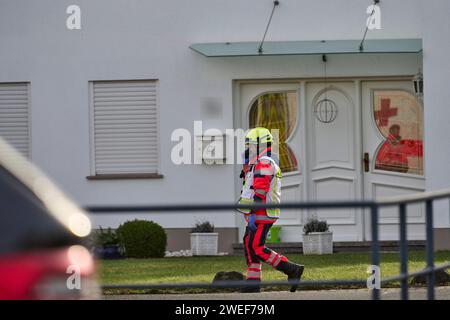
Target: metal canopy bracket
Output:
[(280, 48)]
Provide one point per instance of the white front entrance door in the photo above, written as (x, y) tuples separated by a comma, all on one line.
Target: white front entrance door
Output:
[(393, 153), (276, 105), (332, 149)]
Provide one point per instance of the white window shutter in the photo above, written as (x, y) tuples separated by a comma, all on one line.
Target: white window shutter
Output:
[(14, 113), (125, 127)]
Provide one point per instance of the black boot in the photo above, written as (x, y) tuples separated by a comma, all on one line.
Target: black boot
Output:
[(254, 288), (293, 271)]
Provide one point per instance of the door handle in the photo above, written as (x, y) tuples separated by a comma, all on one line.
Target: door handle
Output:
[(366, 161)]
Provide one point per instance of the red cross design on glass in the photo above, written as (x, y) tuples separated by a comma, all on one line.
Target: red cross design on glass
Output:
[(385, 113)]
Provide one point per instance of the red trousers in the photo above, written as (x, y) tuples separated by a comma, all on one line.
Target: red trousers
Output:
[(257, 252)]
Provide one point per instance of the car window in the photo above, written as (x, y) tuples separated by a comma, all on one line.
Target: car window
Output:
[(25, 223)]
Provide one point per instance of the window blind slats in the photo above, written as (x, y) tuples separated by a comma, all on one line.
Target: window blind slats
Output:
[(125, 127), (14, 123)]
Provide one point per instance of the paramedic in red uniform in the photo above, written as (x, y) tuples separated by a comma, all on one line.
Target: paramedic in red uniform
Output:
[(262, 184)]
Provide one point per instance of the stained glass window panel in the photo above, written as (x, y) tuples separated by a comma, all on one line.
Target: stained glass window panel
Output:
[(277, 110), (399, 118)]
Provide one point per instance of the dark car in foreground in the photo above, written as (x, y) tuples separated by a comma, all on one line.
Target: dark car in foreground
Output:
[(41, 236)]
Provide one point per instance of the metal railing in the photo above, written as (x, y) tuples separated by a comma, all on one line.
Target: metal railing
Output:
[(373, 206)]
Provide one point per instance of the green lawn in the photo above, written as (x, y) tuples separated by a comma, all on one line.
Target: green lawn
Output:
[(203, 269)]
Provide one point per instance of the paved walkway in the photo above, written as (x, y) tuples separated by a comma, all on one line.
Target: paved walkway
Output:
[(442, 293)]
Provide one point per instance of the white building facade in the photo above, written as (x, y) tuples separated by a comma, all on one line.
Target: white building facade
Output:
[(96, 107)]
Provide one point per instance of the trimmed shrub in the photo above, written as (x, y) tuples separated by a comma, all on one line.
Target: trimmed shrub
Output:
[(142, 239)]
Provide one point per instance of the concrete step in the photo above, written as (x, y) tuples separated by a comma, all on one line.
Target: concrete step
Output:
[(356, 246)]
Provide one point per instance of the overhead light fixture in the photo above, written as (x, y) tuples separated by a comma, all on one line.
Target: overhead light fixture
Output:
[(325, 109)]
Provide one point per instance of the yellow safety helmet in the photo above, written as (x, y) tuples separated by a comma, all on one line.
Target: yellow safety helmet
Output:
[(258, 135)]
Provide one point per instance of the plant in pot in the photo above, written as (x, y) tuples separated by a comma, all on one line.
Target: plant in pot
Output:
[(204, 241), (106, 244), (317, 238)]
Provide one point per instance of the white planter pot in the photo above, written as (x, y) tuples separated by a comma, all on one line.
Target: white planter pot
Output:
[(318, 243), (204, 244)]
